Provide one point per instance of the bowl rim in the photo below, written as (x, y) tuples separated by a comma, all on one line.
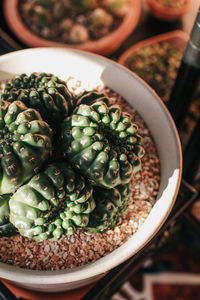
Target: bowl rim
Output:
[(103, 46), (87, 271), (171, 35)]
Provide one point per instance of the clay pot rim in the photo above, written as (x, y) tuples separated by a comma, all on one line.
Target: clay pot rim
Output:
[(103, 46), (170, 10), (166, 13)]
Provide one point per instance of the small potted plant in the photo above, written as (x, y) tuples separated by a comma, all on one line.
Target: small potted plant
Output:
[(156, 60), (92, 25), (169, 10)]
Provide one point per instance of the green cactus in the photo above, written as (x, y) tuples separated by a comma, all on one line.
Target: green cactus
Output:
[(25, 144), (43, 92), (6, 228), (45, 3), (116, 7), (90, 97), (99, 18), (54, 202), (110, 205), (97, 139), (83, 5), (102, 143), (42, 16)]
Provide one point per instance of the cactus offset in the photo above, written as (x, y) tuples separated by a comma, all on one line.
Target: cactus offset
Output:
[(52, 203), (6, 228), (102, 143), (110, 205), (43, 92), (25, 144)]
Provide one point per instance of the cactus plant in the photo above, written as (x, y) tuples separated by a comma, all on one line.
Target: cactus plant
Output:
[(25, 144), (78, 34), (110, 205), (90, 97), (117, 7), (100, 149), (102, 143), (52, 203), (45, 3), (83, 5), (43, 92), (6, 228), (99, 18)]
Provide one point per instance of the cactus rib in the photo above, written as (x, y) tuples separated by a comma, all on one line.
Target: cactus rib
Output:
[(54, 202), (26, 143), (102, 143)]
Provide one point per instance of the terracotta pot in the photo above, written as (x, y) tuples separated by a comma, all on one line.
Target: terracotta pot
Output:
[(168, 14), (69, 62), (177, 37), (103, 46)]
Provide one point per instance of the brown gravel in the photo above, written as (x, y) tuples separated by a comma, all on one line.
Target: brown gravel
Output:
[(84, 247)]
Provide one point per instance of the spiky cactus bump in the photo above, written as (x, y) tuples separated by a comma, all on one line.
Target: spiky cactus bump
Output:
[(90, 97), (6, 228), (52, 203), (102, 143), (25, 144), (43, 92), (110, 205)]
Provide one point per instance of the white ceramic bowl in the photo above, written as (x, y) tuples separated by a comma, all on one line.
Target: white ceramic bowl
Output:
[(94, 69)]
